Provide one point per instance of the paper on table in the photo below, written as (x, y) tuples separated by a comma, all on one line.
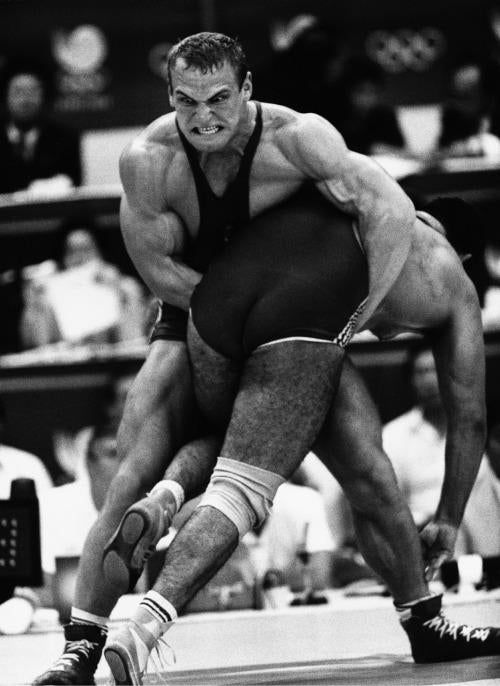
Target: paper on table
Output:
[(82, 306)]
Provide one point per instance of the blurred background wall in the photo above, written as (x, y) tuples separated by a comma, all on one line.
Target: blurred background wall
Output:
[(107, 55)]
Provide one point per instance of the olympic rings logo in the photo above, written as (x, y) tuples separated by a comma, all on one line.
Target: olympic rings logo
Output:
[(406, 50)]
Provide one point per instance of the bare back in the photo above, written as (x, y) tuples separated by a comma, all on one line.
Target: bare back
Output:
[(431, 286)]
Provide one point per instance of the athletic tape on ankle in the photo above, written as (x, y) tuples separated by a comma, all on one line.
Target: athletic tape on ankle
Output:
[(175, 489), (242, 492)]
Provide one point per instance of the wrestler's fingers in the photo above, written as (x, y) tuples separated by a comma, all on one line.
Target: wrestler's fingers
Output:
[(434, 564)]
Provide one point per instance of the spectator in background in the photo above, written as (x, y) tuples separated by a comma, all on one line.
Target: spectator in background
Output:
[(298, 524), (114, 311), (90, 459), (17, 464), (347, 566), (467, 111), (493, 42), (36, 153), (302, 45), (491, 306), (415, 441), (317, 476), (68, 512), (361, 113), (71, 449)]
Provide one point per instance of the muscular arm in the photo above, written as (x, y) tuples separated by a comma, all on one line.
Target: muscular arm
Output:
[(460, 363), (359, 186), (153, 235)]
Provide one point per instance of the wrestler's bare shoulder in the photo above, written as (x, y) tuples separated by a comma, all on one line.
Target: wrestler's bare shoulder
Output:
[(294, 133), (157, 139), (286, 121), (432, 256), (154, 155), (431, 285)]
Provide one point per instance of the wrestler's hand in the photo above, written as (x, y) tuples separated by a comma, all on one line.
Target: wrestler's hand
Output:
[(438, 544)]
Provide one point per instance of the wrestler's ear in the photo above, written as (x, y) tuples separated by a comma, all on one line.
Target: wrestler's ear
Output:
[(247, 86), (170, 92)]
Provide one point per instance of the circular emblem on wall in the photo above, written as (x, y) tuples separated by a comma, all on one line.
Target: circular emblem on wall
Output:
[(81, 50)]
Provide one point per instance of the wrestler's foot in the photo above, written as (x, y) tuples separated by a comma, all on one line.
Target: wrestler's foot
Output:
[(81, 655), (434, 638), (128, 550), (127, 653)]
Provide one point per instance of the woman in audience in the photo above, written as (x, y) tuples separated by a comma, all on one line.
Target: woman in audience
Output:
[(86, 300)]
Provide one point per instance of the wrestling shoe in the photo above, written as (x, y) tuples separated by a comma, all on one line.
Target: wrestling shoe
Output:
[(81, 655), (127, 653), (134, 541), (434, 638)]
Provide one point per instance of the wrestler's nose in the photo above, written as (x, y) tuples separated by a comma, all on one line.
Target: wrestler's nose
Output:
[(203, 112)]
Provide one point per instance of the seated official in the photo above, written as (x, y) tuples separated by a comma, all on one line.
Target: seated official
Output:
[(86, 300), (37, 154), (67, 512), (415, 440), (491, 306)]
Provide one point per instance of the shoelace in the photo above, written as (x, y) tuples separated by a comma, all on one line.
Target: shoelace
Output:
[(157, 656), (73, 652), (444, 627), (159, 660)]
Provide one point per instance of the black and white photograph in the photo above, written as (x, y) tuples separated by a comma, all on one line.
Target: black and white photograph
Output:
[(227, 458)]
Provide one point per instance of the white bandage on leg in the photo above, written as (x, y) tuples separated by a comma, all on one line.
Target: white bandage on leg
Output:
[(243, 492)]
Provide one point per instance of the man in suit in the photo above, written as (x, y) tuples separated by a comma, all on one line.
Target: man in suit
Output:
[(33, 147)]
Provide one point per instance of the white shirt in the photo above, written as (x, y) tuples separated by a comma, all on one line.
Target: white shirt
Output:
[(66, 515), (30, 139), (416, 450), (18, 464), (297, 522), (491, 309), (338, 511)]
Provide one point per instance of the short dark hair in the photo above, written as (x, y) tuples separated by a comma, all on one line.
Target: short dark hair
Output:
[(27, 65), (207, 51), (466, 232), (462, 222)]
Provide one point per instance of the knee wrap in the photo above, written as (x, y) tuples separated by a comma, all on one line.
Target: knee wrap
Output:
[(242, 492)]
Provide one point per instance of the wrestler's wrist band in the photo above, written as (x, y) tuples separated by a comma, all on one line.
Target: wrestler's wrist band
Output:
[(175, 489)]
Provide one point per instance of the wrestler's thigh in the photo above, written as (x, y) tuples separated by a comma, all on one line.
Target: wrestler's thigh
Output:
[(215, 379), (285, 391), (350, 441), (160, 411)]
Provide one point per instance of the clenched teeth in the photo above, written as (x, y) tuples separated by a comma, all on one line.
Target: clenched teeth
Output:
[(208, 130)]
